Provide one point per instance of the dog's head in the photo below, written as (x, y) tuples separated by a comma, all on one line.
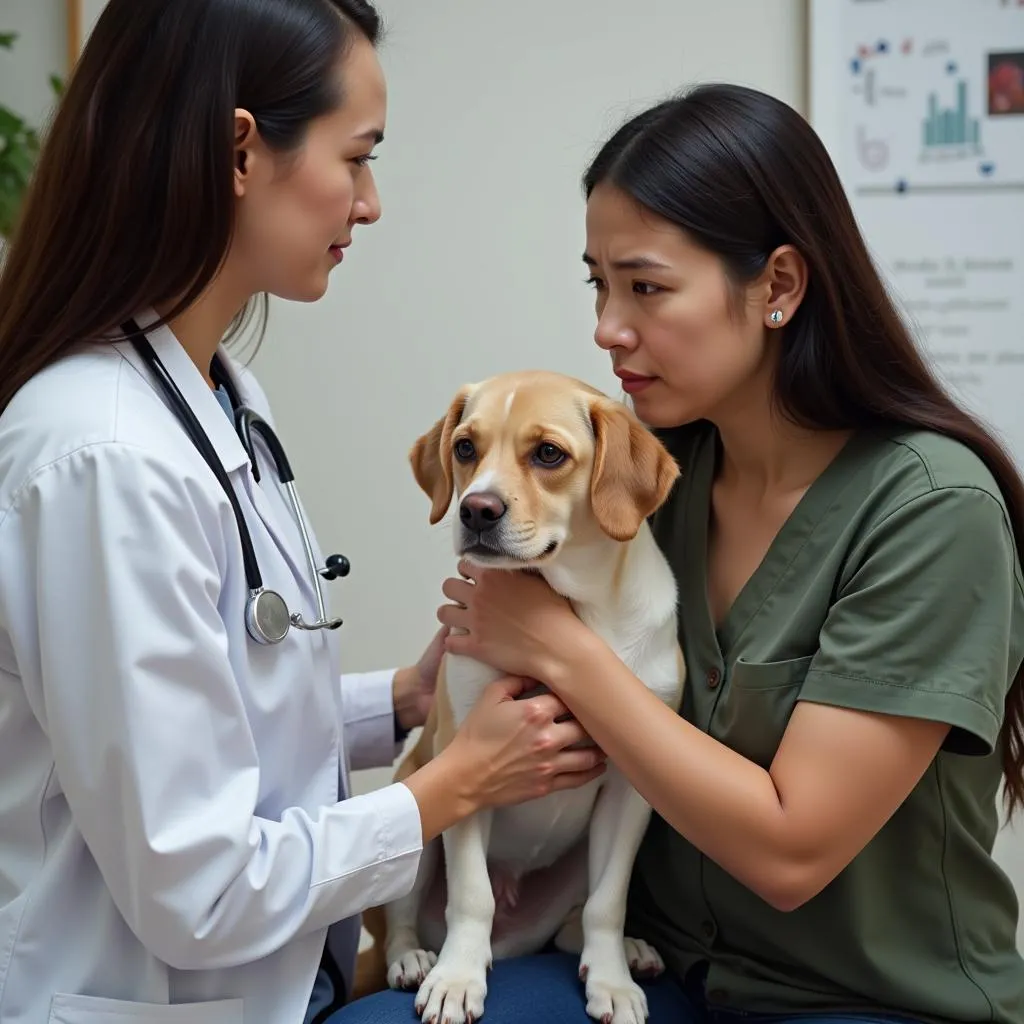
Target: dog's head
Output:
[(537, 460)]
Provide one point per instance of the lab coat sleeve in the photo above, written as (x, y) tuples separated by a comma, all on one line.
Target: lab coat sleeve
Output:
[(119, 557), (368, 718)]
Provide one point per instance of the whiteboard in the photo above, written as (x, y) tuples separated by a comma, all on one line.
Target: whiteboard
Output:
[(921, 106)]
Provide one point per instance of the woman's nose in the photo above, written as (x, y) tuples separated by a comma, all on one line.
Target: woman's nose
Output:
[(366, 209), (613, 332)]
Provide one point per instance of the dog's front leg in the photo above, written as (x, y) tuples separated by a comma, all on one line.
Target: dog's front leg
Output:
[(456, 986), (616, 829)]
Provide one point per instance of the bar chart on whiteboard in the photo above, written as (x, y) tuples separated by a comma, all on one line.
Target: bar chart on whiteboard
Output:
[(924, 116)]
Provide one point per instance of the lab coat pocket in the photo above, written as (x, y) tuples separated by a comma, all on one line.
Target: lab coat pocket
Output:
[(752, 714), (74, 1009)]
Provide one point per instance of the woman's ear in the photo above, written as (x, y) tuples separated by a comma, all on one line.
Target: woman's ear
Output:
[(786, 284), (246, 137)]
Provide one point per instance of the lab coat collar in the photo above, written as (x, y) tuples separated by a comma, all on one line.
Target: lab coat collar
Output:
[(193, 386)]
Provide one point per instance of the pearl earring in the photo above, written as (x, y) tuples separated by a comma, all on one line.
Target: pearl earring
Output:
[(775, 316)]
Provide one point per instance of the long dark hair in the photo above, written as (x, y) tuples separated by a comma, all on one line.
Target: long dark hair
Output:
[(131, 203), (743, 173)]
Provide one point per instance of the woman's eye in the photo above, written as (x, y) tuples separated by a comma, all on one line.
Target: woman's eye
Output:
[(362, 161), (644, 288), (549, 455), (594, 282), (464, 450)]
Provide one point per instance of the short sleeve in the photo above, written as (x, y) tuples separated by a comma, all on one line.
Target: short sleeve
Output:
[(924, 621)]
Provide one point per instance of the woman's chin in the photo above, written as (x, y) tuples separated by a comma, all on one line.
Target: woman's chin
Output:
[(662, 414), (307, 287)]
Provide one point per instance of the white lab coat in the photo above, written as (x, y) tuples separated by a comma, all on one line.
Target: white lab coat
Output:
[(170, 831)]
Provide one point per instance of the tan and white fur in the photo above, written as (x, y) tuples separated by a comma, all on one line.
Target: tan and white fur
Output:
[(555, 477)]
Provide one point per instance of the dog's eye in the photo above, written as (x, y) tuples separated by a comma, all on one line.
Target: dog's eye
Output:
[(464, 450), (549, 455)]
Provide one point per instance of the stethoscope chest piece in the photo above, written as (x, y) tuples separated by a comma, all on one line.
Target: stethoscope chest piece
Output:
[(266, 617)]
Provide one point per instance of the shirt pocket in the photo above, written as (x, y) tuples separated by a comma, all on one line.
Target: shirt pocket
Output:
[(66, 1008), (755, 708)]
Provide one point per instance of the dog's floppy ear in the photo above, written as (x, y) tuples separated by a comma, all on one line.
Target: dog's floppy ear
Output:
[(633, 472), (431, 457)]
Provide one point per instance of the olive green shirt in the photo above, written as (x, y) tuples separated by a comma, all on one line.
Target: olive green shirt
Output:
[(893, 587)]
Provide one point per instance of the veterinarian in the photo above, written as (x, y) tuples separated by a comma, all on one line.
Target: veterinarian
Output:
[(176, 824), (846, 541)]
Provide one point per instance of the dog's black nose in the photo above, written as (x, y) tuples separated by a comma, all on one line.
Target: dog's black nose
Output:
[(482, 511)]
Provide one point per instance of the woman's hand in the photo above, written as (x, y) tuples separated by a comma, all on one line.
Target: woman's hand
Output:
[(413, 687), (512, 621), (515, 750), (506, 751)]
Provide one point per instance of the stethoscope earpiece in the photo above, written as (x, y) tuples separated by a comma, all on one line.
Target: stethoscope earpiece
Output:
[(336, 565)]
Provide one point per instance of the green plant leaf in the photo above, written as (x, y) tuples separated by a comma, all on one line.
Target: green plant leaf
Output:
[(21, 162), (10, 123), (19, 149), (9, 202)]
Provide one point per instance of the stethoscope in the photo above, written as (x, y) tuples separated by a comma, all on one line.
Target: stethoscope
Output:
[(266, 614)]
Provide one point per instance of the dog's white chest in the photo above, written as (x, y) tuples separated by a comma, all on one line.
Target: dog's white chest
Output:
[(466, 681)]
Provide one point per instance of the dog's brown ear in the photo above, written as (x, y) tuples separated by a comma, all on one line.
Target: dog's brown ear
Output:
[(633, 472), (431, 457)]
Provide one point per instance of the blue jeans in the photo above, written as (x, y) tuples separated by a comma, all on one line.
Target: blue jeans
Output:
[(544, 989)]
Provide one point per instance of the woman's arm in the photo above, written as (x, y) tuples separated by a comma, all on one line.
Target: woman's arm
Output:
[(784, 833)]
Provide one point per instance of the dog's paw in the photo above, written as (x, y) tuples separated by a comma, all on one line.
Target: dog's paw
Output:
[(614, 1000), (410, 969), (643, 959), (452, 993)]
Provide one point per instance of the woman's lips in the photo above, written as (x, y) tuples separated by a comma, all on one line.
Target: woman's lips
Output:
[(633, 382)]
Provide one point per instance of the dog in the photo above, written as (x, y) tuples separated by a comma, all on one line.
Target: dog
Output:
[(554, 477)]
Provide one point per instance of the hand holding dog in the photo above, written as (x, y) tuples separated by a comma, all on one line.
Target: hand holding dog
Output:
[(512, 621), (509, 749), (413, 687), (516, 748)]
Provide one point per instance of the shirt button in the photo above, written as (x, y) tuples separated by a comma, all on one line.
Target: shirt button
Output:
[(718, 995), (708, 929), (714, 678)]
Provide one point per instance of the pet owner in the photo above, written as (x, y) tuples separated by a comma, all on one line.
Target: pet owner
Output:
[(847, 542), (175, 821)]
